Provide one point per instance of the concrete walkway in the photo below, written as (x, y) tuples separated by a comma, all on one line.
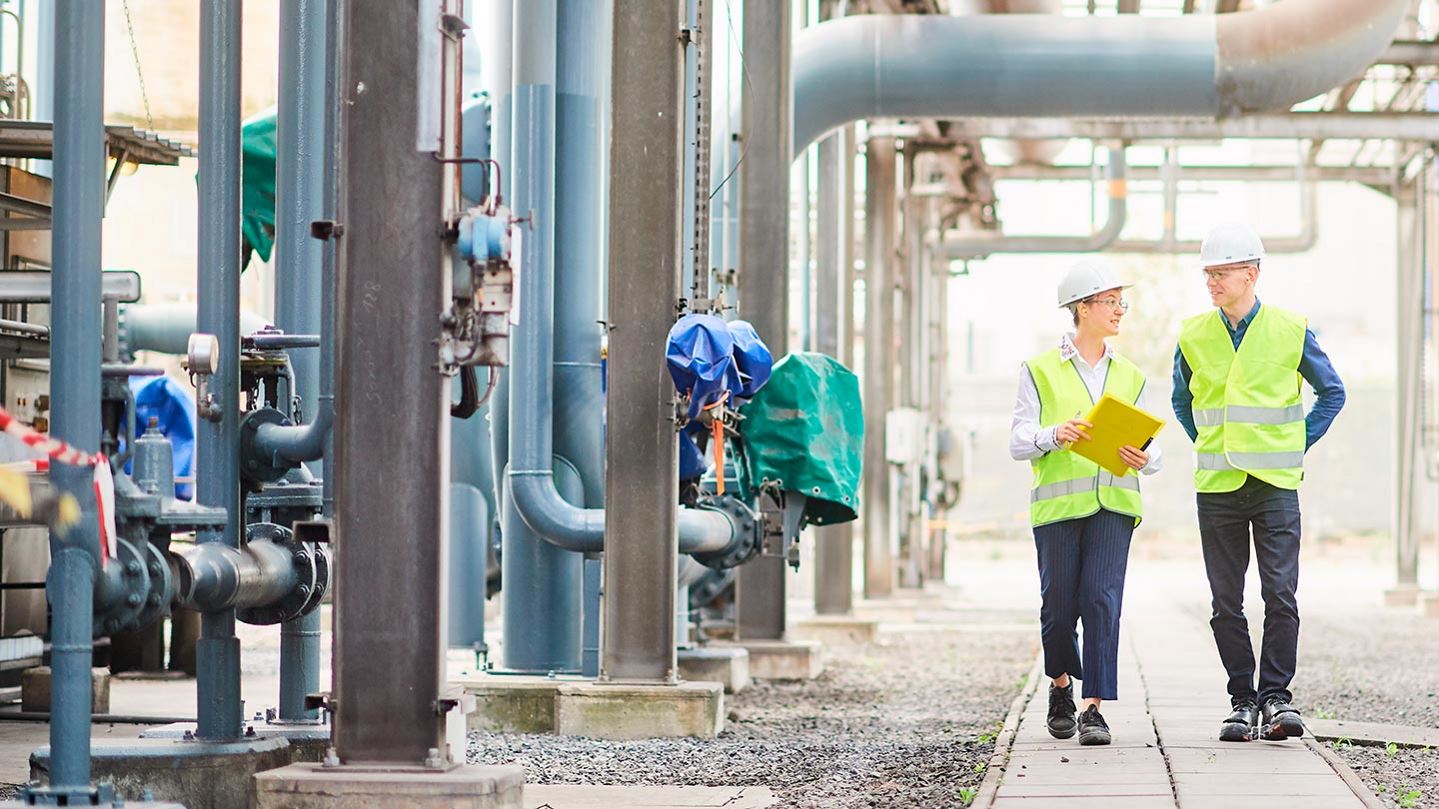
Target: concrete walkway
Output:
[(1165, 752)]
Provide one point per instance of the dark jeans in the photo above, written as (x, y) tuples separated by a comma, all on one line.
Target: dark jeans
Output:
[(1081, 577), (1224, 530)]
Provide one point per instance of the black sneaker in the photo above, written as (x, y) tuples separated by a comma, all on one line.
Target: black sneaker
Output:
[(1092, 727), (1061, 711), (1239, 725), (1281, 721)]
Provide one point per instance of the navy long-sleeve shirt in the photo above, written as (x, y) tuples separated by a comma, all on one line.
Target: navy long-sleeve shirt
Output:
[(1314, 366)]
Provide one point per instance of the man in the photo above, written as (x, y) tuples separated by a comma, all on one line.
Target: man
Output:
[(1237, 377)]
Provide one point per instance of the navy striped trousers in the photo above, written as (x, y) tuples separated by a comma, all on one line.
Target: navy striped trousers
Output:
[(1081, 578)]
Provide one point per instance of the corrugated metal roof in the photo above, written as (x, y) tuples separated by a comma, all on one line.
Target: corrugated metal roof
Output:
[(36, 139)]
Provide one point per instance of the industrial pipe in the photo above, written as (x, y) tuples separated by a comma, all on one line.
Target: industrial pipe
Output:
[(166, 327), (1301, 242), (79, 49), (301, 277), (531, 408), (211, 576), (888, 66), (217, 442), (971, 247)]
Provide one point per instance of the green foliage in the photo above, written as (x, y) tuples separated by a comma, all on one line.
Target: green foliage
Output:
[(967, 795), (1409, 798)]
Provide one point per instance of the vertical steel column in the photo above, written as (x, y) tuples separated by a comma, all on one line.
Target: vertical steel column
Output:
[(300, 178), (642, 469), (1409, 338), (543, 583), (79, 49), (764, 256), (392, 526), (879, 216), (833, 552), (938, 317), (914, 368), (218, 483)]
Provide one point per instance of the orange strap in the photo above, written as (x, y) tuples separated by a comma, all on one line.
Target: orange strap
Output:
[(717, 434)]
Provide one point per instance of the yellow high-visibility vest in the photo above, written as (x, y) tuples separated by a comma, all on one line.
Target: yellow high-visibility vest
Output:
[(1068, 486), (1248, 407)]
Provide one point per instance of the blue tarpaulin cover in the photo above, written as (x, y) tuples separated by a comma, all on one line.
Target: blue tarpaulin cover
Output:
[(170, 403), (710, 359)]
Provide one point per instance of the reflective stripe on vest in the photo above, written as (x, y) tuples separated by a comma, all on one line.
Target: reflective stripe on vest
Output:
[(1068, 486), (1248, 410), (1081, 485)]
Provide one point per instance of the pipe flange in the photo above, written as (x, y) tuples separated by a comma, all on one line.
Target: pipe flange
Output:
[(254, 466), (323, 569), (128, 587), (293, 604), (746, 526), (162, 586)]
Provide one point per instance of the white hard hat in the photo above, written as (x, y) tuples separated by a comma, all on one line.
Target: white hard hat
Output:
[(1230, 243), (1088, 277)]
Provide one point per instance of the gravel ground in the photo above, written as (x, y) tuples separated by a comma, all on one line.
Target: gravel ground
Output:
[(1401, 778), (1375, 665), (907, 722)]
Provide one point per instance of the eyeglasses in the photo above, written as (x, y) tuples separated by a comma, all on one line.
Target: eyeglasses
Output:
[(1122, 306), (1220, 274)]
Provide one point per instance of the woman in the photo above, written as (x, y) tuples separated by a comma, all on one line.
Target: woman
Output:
[(1083, 516)]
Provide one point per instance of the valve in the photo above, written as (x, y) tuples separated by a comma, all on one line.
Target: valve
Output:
[(476, 327)]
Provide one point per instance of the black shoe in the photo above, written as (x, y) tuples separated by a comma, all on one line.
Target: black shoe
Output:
[(1061, 711), (1281, 721), (1092, 727), (1239, 726)]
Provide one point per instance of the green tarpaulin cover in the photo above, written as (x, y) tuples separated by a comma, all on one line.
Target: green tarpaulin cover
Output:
[(257, 194), (805, 429)]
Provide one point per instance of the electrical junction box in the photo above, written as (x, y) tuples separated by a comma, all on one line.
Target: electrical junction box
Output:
[(904, 432)]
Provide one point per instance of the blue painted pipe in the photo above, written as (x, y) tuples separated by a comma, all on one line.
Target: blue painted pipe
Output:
[(79, 48), (218, 482), (542, 581), (300, 136)]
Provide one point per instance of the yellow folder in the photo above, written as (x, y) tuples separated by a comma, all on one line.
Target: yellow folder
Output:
[(1116, 424)]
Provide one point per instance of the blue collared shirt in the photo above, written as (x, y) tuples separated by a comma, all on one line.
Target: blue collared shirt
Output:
[(1314, 366)]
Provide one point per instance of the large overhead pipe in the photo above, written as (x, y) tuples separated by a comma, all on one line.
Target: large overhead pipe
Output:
[(217, 443), (79, 48), (934, 66)]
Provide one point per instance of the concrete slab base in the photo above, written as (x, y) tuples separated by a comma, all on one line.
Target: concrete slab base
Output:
[(1429, 605), (728, 666), (640, 711), (509, 703), (573, 706), (307, 742), (197, 774), (1402, 595), (312, 786), (783, 659), (836, 630)]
